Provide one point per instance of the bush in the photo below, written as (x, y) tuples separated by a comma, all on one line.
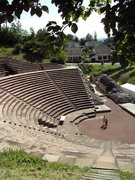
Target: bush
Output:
[(17, 49), (123, 78), (58, 61)]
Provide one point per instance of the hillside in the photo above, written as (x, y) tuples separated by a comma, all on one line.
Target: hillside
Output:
[(21, 165), (120, 75), (17, 164)]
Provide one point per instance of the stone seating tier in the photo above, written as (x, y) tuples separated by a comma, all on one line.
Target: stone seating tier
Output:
[(74, 88), (10, 66), (42, 94)]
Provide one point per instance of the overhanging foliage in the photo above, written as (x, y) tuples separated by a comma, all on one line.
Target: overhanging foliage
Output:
[(119, 19)]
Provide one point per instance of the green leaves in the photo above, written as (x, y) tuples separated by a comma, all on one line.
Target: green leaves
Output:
[(33, 11), (74, 28), (38, 11), (118, 17), (18, 12), (45, 8), (10, 18), (26, 7)]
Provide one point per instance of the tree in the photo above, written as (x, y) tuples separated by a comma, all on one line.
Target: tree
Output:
[(39, 46), (60, 58), (119, 18), (82, 41), (9, 36), (70, 37), (85, 55), (95, 36), (41, 34), (89, 37)]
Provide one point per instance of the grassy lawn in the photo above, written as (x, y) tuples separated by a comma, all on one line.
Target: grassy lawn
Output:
[(19, 165)]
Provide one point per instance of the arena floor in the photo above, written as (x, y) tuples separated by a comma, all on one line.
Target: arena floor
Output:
[(121, 125)]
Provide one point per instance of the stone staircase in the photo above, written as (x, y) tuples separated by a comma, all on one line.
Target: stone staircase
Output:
[(106, 159), (72, 157)]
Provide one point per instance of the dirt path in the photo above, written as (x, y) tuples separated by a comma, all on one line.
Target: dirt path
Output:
[(121, 125)]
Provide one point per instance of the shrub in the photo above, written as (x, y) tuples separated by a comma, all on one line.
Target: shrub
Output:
[(17, 49), (58, 61), (123, 78)]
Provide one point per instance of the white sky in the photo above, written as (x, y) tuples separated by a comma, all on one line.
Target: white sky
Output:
[(91, 25)]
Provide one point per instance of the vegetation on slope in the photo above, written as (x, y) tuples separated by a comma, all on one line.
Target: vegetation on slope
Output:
[(8, 52), (126, 75), (126, 175), (17, 164), (21, 165)]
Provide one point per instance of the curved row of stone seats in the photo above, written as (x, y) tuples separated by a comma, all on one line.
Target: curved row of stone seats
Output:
[(14, 67), (10, 66), (28, 67), (82, 117), (22, 67), (45, 96), (71, 84), (30, 138), (3, 72), (41, 143), (41, 91), (47, 66), (16, 110), (23, 120), (72, 133), (13, 109)]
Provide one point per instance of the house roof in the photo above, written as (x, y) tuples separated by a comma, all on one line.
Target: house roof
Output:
[(91, 43), (102, 49), (73, 44), (74, 51)]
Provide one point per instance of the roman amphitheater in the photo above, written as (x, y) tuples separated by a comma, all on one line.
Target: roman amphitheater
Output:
[(51, 111)]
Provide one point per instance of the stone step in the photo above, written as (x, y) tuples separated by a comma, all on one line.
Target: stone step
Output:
[(125, 163), (51, 157), (101, 174), (71, 158), (84, 117), (106, 160), (85, 161)]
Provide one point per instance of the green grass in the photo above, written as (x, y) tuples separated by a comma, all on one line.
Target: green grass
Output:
[(21, 165), (126, 175), (98, 68), (7, 52), (126, 75)]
